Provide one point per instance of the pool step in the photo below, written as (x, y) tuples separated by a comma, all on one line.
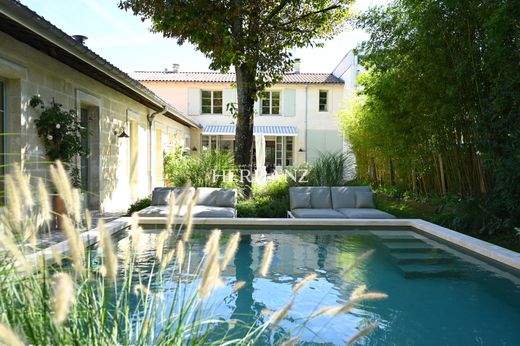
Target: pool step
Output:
[(389, 238), (422, 258), (409, 247), (412, 271)]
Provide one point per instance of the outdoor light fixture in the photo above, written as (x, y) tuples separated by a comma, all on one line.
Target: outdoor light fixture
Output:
[(301, 150), (123, 133)]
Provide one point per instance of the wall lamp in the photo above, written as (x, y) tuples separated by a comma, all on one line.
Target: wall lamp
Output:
[(123, 133), (301, 150)]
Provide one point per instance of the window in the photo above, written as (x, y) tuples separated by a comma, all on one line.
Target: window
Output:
[(288, 151), (324, 106), (284, 151), (270, 103), (210, 142), (211, 101)]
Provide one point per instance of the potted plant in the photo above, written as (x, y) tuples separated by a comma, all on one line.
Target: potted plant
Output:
[(63, 137)]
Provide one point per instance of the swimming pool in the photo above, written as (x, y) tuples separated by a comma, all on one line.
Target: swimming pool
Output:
[(438, 294)]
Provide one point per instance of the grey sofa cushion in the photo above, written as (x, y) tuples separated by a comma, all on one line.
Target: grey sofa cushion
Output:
[(226, 198), (365, 213), (207, 196), (365, 200), (345, 196), (161, 195), (317, 213), (209, 211), (300, 200), (161, 211), (320, 196)]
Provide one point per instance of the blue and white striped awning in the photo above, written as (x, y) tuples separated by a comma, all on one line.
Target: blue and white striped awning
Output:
[(257, 129)]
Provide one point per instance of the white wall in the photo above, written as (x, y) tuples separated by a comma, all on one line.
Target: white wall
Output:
[(29, 72)]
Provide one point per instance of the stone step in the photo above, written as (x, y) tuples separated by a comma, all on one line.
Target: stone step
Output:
[(422, 258), (398, 238), (412, 271), (420, 247)]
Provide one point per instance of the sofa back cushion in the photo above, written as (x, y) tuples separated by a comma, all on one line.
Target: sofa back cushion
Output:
[(345, 196), (300, 200), (216, 197), (227, 198), (365, 199), (161, 195), (320, 196)]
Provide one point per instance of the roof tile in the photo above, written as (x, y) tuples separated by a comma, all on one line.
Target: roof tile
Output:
[(216, 77)]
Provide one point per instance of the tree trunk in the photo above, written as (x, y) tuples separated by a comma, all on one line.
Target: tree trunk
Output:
[(443, 178), (246, 92), (392, 173)]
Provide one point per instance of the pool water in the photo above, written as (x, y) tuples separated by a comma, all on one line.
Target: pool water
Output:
[(437, 295)]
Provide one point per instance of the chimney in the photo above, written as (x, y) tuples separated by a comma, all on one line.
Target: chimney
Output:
[(80, 38), (175, 68), (296, 65)]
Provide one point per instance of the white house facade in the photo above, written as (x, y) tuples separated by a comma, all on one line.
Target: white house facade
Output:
[(297, 116)]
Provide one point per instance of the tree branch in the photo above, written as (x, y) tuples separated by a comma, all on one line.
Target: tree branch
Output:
[(276, 10), (330, 8)]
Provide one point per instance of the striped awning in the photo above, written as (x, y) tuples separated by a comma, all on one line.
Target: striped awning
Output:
[(257, 129)]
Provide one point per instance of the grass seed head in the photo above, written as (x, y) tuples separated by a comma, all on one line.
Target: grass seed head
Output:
[(231, 249), (161, 239), (110, 262), (363, 332), (181, 253), (238, 285), (63, 296), (44, 201), (8, 337), (268, 257), (297, 287)]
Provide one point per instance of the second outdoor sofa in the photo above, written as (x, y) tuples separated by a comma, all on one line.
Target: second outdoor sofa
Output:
[(210, 202), (338, 202)]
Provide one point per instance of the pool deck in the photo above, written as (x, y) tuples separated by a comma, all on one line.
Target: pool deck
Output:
[(496, 253)]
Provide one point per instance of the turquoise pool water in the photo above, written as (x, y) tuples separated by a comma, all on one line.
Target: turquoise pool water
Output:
[(438, 295)]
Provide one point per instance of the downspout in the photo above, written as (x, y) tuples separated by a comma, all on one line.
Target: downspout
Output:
[(306, 120), (150, 117)]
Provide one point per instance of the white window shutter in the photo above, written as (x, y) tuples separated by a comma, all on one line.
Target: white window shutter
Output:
[(194, 101), (289, 102), (229, 96)]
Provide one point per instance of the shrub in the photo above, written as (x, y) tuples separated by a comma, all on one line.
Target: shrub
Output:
[(270, 200), (139, 205), (205, 169), (329, 169)]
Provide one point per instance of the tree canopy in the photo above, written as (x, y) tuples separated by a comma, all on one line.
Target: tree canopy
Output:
[(439, 107), (254, 37), (257, 33)]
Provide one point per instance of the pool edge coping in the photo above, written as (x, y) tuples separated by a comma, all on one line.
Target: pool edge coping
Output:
[(494, 252)]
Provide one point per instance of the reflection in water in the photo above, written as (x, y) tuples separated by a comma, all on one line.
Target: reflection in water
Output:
[(473, 302), (244, 272)]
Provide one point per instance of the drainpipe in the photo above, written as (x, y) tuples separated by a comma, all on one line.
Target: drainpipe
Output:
[(306, 119), (150, 117)]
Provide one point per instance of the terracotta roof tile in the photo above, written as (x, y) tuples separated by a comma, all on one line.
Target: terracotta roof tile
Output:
[(216, 77)]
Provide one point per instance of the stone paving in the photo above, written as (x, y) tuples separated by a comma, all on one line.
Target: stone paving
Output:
[(56, 236)]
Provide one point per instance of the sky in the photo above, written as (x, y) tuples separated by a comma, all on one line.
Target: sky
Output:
[(125, 41)]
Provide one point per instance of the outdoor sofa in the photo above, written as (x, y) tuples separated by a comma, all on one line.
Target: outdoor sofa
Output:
[(337, 202), (210, 202)]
